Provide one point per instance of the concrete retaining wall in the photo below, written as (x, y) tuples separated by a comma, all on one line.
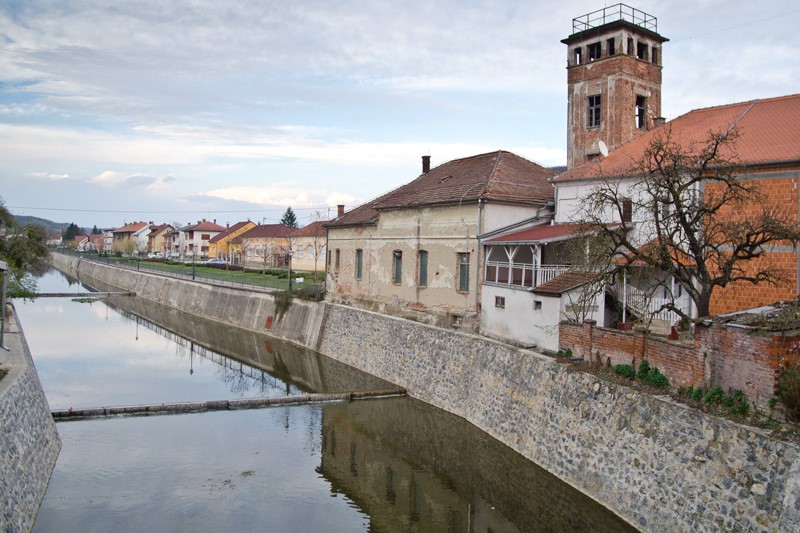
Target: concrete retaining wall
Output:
[(657, 464), (29, 442)]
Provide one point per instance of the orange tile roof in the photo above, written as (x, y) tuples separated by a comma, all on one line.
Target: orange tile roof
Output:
[(315, 229), (265, 231), (236, 227), (769, 133), (566, 282), (204, 226), (499, 176), (133, 227)]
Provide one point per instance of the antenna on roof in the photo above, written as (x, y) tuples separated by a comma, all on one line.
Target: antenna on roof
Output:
[(603, 148)]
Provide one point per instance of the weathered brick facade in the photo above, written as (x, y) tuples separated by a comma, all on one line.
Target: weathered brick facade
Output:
[(732, 358)]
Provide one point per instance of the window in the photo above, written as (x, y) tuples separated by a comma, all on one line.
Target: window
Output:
[(537, 305), (627, 209), (641, 50), (630, 46), (500, 302), (423, 269), (397, 267), (641, 112), (338, 259), (654, 55), (610, 47), (463, 272), (577, 54), (329, 258), (205, 236), (359, 263), (593, 118), (593, 51)]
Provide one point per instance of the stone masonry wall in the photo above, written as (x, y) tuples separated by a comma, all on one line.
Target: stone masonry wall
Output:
[(662, 466), (659, 465), (29, 442)]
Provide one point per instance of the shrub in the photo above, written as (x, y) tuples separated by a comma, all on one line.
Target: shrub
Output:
[(655, 378), (564, 352), (789, 392), (714, 396), (697, 394), (737, 404), (624, 370)]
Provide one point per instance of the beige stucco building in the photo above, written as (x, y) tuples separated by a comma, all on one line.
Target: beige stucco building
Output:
[(415, 251)]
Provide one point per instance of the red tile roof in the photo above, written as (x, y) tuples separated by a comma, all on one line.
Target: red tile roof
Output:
[(204, 226), (565, 282), (133, 227), (497, 176), (548, 233), (233, 229), (769, 133), (266, 231), (315, 229)]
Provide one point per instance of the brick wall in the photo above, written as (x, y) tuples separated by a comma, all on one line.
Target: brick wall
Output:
[(721, 356)]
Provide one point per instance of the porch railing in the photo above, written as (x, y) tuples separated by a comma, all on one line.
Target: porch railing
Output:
[(650, 306), (521, 274)]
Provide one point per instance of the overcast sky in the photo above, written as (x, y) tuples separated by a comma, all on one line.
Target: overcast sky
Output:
[(172, 111)]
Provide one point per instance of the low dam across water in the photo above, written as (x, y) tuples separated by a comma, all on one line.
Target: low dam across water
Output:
[(659, 465)]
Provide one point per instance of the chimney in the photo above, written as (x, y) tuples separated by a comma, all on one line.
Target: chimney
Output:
[(215, 221), (340, 210), (426, 164)]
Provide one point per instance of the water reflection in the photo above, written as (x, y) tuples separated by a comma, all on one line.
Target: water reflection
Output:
[(128, 351)]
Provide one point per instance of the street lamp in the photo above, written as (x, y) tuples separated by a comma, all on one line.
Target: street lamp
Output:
[(4, 271), (290, 269), (194, 259)]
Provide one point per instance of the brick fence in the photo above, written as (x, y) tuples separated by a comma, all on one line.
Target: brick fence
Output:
[(732, 358)]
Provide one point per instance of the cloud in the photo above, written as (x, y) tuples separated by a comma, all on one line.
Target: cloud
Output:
[(283, 195), (49, 176)]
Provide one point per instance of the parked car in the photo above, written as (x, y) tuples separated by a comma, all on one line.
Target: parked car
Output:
[(155, 255), (216, 261)]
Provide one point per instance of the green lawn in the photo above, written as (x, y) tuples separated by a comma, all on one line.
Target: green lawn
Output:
[(201, 272)]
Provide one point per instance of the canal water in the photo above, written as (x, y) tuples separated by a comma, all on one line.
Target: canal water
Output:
[(378, 465)]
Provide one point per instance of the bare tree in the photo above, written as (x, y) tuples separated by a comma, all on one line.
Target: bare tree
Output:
[(697, 220)]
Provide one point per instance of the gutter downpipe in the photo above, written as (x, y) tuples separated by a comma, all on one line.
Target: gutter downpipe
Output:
[(479, 273)]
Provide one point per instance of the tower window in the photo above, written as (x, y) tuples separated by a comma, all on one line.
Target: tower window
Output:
[(593, 51), (641, 50), (593, 116), (641, 112), (610, 47), (577, 54), (630, 46), (654, 55)]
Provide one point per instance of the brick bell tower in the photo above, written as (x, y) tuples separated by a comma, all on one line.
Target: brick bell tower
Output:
[(613, 80)]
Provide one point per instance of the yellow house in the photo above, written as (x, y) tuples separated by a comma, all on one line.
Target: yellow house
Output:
[(220, 245), (265, 245), (156, 239), (308, 247)]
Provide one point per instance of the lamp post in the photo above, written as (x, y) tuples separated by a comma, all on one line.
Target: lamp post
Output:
[(4, 272), (290, 269), (194, 259)]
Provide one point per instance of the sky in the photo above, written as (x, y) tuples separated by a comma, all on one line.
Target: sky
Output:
[(175, 111)]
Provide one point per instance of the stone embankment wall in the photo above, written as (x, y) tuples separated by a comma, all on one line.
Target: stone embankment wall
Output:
[(659, 465), (29, 442)]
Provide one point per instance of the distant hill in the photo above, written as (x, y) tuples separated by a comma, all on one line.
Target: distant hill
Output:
[(49, 225)]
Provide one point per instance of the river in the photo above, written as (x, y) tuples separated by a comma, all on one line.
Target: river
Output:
[(392, 464)]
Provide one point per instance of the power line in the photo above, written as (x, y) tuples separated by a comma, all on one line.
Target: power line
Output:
[(748, 23), (204, 211)]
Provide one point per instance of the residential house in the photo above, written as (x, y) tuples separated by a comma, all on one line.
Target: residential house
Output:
[(265, 246), (81, 242), (97, 242), (142, 239), (219, 245), (157, 238), (193, 240), (124, 240), (309, 247), (416, 251), (768, 153)]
